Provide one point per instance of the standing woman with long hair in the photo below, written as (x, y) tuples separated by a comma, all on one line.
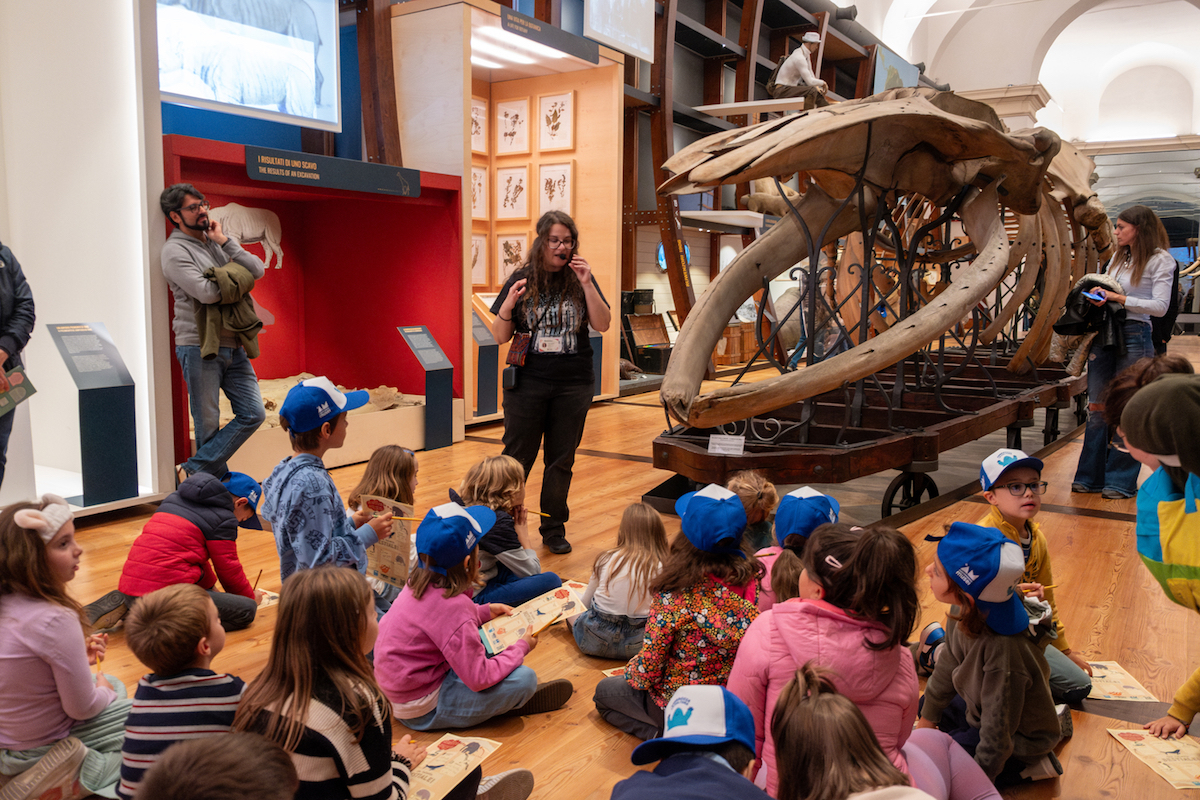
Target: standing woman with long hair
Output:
[(1144, 267), (545, 308)]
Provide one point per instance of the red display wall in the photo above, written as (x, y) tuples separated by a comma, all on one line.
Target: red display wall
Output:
[(355, 266)]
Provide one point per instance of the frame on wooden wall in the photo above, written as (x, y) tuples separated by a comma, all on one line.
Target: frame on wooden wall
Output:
[(512, 126), (479, 126), (479, 261), (556, 187), (556, 121), (511, 252), (512, 192), (479, 193)]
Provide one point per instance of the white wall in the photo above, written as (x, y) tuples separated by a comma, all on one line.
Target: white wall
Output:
[(75, 141)]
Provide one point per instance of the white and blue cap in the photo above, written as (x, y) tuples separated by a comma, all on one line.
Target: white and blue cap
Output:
[(450, 532), (699, 718), (711, 516), (240, 484), (311, 403), (1001, 461), (803, 511), (987, 565)]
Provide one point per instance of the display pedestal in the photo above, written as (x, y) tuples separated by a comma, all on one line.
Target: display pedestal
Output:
[(485, 366), (439, 385)]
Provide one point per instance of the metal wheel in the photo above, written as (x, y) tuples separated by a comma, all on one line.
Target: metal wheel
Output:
[(907, 490)]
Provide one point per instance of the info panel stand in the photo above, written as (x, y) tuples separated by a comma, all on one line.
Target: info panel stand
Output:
[(439, 385), (485, 366), (597, 358), (107, 425)]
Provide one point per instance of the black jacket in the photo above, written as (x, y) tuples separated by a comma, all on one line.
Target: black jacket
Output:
[(1080, 317), (16, 308)]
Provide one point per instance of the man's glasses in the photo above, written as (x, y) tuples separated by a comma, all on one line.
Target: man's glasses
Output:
[(194, 207), (557, 243), (1018, 489)]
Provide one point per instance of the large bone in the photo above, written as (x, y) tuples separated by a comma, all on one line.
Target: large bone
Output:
[(981, 219), (1028, 247), (780, 248), (1055, 284)]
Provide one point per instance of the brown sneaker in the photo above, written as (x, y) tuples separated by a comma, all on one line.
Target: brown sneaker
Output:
[(549, 696), (57, 770)]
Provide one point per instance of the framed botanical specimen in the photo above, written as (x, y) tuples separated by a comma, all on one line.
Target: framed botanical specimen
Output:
[(512, 126), (512, 192), (479, 260), (510, 254), (556, 187), (479, 193), (556, 121), (479, 125)]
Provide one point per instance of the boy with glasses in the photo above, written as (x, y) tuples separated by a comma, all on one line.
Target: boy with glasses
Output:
[(1012, 483)]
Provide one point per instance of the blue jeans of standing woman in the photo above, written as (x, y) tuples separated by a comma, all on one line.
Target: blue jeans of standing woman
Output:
[(229, 371), (1100, 466)]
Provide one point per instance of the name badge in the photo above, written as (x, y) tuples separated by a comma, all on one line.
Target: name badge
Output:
[(550, 344)]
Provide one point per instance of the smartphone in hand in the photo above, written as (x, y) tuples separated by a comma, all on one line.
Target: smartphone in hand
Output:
[(1099, 294)]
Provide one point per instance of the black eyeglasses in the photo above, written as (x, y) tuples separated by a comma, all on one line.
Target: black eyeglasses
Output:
[(557, 243), (194, 207), (1018, 489)]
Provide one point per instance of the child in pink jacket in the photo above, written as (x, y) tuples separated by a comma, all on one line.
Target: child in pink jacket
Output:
[(857, 604)]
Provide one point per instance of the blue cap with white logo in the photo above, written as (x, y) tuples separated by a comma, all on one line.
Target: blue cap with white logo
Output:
[(311, 403), (240, 484), (450, 532), (1000, 462), (802, 511), (710, 516), (699, 718), (987, 565)]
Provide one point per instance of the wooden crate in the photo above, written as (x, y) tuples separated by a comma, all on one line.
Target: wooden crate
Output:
[(729, 349)]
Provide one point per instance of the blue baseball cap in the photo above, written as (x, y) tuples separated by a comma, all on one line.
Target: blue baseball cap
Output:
[(987, 565), (699, 718), (240, 484), (450, 532), (710, 516), (803, 511), (311, 403), (1000, 462)]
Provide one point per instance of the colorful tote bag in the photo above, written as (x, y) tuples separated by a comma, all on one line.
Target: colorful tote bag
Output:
[(1168, 536)]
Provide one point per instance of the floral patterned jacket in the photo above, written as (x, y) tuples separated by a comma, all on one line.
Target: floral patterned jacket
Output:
[(691, 638)]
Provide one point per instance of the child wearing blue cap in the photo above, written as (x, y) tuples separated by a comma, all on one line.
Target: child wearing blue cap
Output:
[(300, 499), (800, 513), (429, 658), (992, 660), (705, 753), (704, 599)]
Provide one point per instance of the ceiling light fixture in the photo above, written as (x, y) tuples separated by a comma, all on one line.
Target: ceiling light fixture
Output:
[(512, 40), (483, 62), (496, 51)]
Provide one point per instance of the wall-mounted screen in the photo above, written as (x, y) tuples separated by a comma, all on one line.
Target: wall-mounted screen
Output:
[(268, 59), (626, 25)]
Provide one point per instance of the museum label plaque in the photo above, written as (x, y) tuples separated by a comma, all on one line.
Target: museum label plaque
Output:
[(439, 385), (306, 169), (550, 35)]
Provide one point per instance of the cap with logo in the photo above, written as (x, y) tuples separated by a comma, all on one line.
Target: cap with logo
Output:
[(450, 532), (1000, 462), (987, 565), (802, 511), (711, 516), (240, 484), (699, 718), (313, 402)]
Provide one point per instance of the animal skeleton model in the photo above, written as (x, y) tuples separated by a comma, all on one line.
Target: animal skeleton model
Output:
[(251, 226), (908, 172)]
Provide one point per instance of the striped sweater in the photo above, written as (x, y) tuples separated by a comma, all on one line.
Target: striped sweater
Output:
[(331, 765), (191, 705)]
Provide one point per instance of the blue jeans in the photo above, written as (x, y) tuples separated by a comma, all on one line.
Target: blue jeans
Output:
[(459, 707), (229, 371), (609, 635), (1100, 466), (1068, 683), (511, 590)]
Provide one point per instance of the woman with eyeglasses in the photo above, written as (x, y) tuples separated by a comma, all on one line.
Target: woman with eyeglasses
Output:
[(1145, 268), (545, 309)]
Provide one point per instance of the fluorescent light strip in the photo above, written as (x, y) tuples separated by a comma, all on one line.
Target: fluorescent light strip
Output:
[(496, 51), (483, 62), (512, 40)]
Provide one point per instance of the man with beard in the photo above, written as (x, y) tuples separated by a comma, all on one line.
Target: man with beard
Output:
[(197, 245)]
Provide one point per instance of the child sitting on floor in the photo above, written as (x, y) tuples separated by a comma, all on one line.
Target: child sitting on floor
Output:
[(236, 766), (177, 633), (392, 473), (800, 513), (758, 498), (430, 659), (508, 561), (618, 593), (1013, 485), (704, 599)]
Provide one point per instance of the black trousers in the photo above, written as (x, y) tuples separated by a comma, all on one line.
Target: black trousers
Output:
[(547, 416)]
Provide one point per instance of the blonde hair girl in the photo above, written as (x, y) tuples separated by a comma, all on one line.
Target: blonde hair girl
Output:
[(392, 473), (759, 498), (618, 594)]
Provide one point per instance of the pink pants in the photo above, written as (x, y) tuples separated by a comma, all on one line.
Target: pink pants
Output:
[(940, 767)]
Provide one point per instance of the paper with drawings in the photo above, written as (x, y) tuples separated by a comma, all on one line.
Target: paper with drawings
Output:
[(1176, 760)]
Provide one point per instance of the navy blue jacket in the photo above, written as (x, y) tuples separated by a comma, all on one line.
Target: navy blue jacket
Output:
[(690, 775), (16, 308)]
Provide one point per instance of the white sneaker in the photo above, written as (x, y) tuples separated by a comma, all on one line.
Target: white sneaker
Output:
[(56, 774), (1044, 768), (516, 784)]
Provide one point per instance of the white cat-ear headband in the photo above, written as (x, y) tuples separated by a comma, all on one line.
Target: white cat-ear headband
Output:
[(47, 522)]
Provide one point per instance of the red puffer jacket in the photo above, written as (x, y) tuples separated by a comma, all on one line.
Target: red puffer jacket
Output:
[(193, 525)]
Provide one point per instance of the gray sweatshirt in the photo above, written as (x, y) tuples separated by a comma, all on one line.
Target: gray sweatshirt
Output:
[(184, 262)]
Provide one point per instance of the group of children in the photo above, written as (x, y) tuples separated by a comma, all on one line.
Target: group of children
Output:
[(743, 639)]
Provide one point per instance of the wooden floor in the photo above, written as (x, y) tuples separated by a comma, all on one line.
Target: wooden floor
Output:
[(1112, 608)]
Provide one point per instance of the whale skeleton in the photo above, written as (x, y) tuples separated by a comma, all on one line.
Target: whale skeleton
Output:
[(864, 159)]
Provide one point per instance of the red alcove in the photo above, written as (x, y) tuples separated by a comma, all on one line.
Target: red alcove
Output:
[(356, 265)]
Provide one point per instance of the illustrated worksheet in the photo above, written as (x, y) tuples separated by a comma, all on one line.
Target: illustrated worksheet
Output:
[(536, 615), (388, 559), (1110, 681), (447, 762), (1176, 760)]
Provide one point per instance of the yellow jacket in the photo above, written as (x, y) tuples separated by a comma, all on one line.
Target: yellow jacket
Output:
[(1037, 566)]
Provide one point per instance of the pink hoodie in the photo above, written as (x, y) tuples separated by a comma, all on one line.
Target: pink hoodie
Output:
[(883, 683)]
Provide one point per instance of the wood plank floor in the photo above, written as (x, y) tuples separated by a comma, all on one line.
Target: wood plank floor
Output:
[(1112, 608)]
